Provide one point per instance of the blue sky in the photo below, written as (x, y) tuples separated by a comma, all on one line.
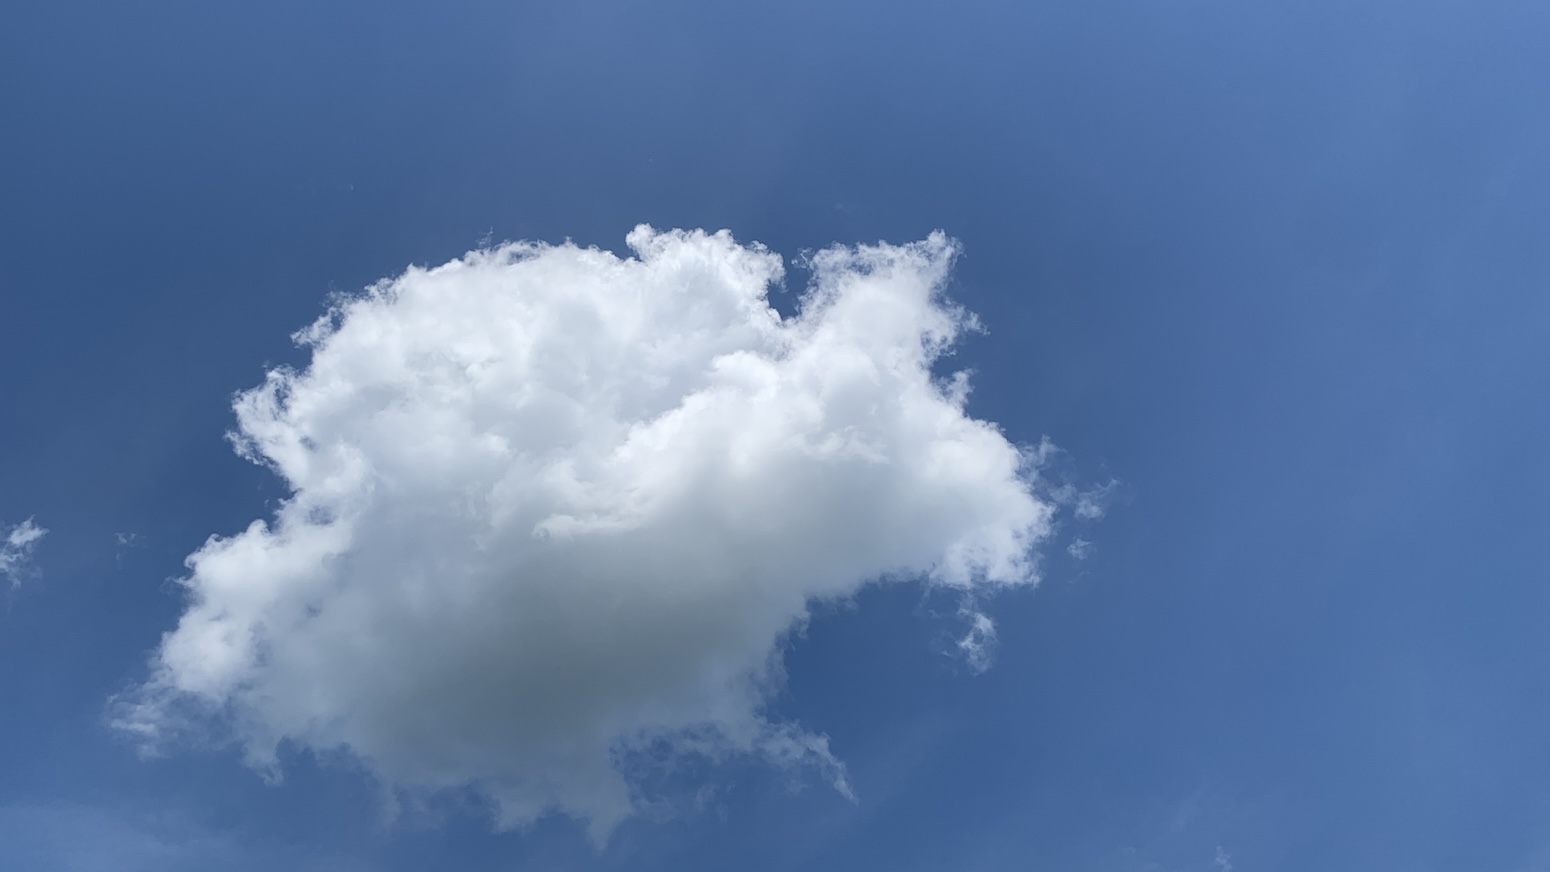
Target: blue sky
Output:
[(1279, 271)]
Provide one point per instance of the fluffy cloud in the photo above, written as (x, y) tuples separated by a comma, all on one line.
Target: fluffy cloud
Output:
[(551, 507), (16, 550)]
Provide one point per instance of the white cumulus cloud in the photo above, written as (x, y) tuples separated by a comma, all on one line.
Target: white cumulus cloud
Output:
[(550, 507), (16, 550)]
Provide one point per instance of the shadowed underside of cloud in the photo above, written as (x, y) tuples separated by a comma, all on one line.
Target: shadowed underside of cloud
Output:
[(550, 507)]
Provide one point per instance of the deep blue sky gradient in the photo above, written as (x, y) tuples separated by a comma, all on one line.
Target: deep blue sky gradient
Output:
[(1281, 269)]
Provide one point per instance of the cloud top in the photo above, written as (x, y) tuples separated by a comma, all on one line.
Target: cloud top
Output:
[(550, 506)]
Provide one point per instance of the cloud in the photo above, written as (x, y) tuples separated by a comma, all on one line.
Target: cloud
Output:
[(1223, 860), (1080, 549), (978, 644), (16, 548), (126, 543), (552, 510), (1086, 505)]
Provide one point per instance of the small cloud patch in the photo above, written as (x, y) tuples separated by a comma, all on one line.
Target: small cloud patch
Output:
[(16, 547)]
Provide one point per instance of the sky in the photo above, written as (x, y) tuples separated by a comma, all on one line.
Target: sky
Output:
[(1099, 436)]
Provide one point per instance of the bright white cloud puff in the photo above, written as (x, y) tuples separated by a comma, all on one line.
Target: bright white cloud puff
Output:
[(550, 506), (16, 550)]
